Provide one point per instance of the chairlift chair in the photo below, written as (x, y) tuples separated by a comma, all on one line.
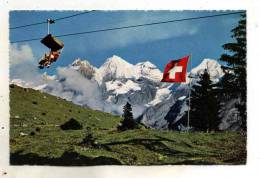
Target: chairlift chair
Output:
[(52, 42)]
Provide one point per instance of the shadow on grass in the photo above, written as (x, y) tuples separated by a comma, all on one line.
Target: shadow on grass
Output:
[(67, 159), (155, 145)]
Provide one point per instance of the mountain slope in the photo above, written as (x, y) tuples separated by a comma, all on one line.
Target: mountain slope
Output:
[(37, 139)]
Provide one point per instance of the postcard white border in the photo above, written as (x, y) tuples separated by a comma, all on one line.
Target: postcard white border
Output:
[(253, 162)]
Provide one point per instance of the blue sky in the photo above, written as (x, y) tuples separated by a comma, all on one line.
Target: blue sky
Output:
[(158, 44)]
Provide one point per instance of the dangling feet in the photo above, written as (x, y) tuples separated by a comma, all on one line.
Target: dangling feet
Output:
[(48, 59), (44, 62)]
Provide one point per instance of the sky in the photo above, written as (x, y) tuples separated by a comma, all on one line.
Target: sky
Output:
[(158, 43)]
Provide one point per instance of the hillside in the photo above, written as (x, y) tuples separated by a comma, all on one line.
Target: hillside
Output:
[(36, 138)]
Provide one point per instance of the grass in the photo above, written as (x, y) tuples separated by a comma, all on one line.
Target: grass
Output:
[(36, 138)]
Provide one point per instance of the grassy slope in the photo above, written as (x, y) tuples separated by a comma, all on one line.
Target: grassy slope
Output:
[(32, 109)]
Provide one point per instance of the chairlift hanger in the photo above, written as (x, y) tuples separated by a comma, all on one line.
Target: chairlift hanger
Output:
[(54, 44)]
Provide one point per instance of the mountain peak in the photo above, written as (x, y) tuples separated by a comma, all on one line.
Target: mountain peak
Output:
[(209, 63), (80, 63), (212, 66), (115, 67), (84, 67), (116, 60), (148, 70), (147, 64)]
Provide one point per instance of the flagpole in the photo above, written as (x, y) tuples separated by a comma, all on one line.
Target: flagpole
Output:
[(188, 122)]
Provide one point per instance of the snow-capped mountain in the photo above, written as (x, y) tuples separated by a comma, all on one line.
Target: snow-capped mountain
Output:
[(84, 67), (117, 68), (123, 82), (212, 67), (114, 68), (109, 87)]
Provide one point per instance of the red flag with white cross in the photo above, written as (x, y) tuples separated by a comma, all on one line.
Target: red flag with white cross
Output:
[(175, 71)]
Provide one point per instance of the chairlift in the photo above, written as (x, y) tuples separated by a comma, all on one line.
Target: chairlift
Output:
[(52, 42), (55, 46)]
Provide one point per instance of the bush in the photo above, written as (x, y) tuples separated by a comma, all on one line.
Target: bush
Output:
[(38, 129), (32, 133), (89, 141), (11, 85), (72, 124)]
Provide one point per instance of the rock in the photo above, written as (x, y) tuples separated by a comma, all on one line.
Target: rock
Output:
[(23, 134)]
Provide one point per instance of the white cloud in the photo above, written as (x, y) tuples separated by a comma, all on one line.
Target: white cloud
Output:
[(20, 54), (22, 66), (76, 88)]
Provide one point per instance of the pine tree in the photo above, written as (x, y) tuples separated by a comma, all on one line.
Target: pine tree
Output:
[(128, 122), (234, 81), (204, 105)]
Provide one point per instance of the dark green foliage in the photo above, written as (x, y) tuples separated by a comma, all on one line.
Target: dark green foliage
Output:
[(72, 124), (88, 141), (204, 105), (128, 122), (38, 129), (66, 159), (32, 133), (234, 82)]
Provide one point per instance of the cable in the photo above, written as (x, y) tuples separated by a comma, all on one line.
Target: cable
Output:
[(74, 15), (132, 26), (57, 19), (22, 26)]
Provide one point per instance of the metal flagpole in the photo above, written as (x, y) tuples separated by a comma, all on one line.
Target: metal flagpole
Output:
[(188, 123), (48, 26)]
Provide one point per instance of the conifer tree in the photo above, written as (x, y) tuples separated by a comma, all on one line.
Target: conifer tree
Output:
[(234, 81), (128, 122), (204, 105)]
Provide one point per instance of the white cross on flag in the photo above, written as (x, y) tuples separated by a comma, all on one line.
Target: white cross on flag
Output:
[(175, 71)]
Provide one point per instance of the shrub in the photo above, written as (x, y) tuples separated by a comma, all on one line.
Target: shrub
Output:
[(72, 124)]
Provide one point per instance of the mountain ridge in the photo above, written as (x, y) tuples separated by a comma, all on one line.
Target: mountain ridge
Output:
[(116, 82)]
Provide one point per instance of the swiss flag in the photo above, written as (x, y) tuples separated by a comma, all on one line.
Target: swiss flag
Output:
[(175, 71)]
